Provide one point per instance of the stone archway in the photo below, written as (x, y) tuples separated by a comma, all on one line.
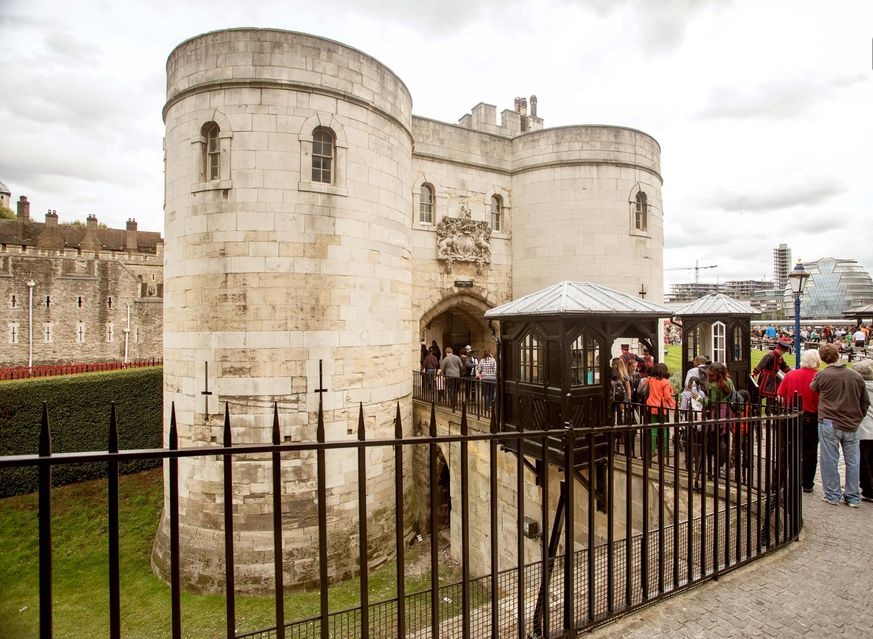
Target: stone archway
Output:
[(458, 320)]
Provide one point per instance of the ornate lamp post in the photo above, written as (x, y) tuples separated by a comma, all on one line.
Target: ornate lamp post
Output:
[(797, 278)]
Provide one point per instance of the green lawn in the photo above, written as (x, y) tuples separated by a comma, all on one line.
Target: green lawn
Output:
[(80, 577), (673, 358)]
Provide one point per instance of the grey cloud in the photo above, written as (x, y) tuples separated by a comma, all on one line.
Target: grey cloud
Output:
[(662, 24), (66, 48), (788, 97), (774, 199)]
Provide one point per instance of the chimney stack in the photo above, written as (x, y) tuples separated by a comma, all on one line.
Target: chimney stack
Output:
[(51, 218), (533, 106), (23, 209), (91, 240), (522, 104), (130, 237)]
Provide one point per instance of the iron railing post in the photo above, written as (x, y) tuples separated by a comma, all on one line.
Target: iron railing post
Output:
[(278, 559), (173, 471), (112, 532), (45, 528)]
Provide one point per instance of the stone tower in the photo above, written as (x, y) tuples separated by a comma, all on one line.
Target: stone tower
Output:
[(588, 206), (288, 164)]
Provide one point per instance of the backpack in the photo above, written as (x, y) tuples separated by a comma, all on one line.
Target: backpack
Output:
[(736, 402), (703, 380), (470, 366), (618, 393)]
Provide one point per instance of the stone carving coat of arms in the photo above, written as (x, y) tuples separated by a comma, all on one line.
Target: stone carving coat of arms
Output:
[(463, 240)]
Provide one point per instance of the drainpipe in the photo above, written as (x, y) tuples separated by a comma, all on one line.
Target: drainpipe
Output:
[(127, 334), (30, 285)]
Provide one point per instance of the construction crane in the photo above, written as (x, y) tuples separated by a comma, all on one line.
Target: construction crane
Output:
[(696, 268)]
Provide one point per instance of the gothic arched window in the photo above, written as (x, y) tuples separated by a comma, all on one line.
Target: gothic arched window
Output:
[(719, 347), (425, 204), (496, 213), (641, 215), (323, 154), (211, 152)]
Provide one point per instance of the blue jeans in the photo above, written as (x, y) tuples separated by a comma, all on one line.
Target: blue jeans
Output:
[(830, 441)]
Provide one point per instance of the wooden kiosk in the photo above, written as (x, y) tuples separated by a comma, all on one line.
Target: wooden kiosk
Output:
[(720, 327)]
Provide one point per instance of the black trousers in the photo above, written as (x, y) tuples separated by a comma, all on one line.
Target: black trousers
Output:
[(867, 468), (809, 451)]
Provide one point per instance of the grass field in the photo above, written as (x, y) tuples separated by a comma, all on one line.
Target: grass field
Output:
[(81, 607)]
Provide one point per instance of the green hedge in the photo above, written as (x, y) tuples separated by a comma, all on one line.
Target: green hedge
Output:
[(78, 410)]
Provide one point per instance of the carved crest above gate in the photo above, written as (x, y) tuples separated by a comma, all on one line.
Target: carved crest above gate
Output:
[(463, 240)]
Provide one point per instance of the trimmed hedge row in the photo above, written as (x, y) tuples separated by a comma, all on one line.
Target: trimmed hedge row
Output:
[(78, 411)]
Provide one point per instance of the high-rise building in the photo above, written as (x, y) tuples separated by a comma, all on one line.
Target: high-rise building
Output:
[(781, 265)]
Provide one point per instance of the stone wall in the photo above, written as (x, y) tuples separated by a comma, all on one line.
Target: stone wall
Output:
[(80, 306)]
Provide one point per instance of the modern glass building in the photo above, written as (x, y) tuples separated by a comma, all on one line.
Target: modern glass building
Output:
[(834, 286)]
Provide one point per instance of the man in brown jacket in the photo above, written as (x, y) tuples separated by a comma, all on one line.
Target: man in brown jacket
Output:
[(842, 405)]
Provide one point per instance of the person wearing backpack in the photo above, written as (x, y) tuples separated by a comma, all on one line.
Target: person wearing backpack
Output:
[(620, 393), (660, 400), (468, 359), (721, 393)]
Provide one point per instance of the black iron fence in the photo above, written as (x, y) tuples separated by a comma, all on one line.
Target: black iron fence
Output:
[(677, 499), (477, 396)]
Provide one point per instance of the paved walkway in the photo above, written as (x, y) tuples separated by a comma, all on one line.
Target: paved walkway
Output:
[(821, 586)]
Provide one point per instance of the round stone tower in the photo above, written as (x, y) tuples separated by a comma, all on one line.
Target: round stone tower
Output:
[(288, 160), (587, 206)]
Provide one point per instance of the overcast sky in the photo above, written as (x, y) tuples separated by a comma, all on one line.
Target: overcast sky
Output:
[(763, 109)]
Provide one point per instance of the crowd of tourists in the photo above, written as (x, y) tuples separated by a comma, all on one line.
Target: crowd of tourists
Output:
[(445, 372), (848, 340), (836, 405)]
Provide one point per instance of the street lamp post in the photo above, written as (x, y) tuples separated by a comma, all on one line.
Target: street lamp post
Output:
[(30, 285), (797, 278)]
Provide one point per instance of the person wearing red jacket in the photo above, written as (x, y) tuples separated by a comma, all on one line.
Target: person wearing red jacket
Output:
[(797, 382)]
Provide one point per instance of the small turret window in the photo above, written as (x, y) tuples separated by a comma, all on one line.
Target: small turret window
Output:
[(212, 151), (323, 154), (425, 204), (641, 215), (496, 213)]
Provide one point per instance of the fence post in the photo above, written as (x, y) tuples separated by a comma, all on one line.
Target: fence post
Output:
[(569, 532), (175, 589), (45, 528), (279, 585), (112, 503), (229, 586)]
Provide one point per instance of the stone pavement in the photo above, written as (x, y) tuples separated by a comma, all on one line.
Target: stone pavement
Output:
[(821, 586)]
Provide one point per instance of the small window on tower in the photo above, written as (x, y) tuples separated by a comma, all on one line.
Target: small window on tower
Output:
[(211, 151), (322, 155), (48, 301), (109, 302), (496, 213), (79, 301), (641, 214), (13, 301), (425, 204)]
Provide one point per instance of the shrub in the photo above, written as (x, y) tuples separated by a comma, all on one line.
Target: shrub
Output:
[(78, 411)]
